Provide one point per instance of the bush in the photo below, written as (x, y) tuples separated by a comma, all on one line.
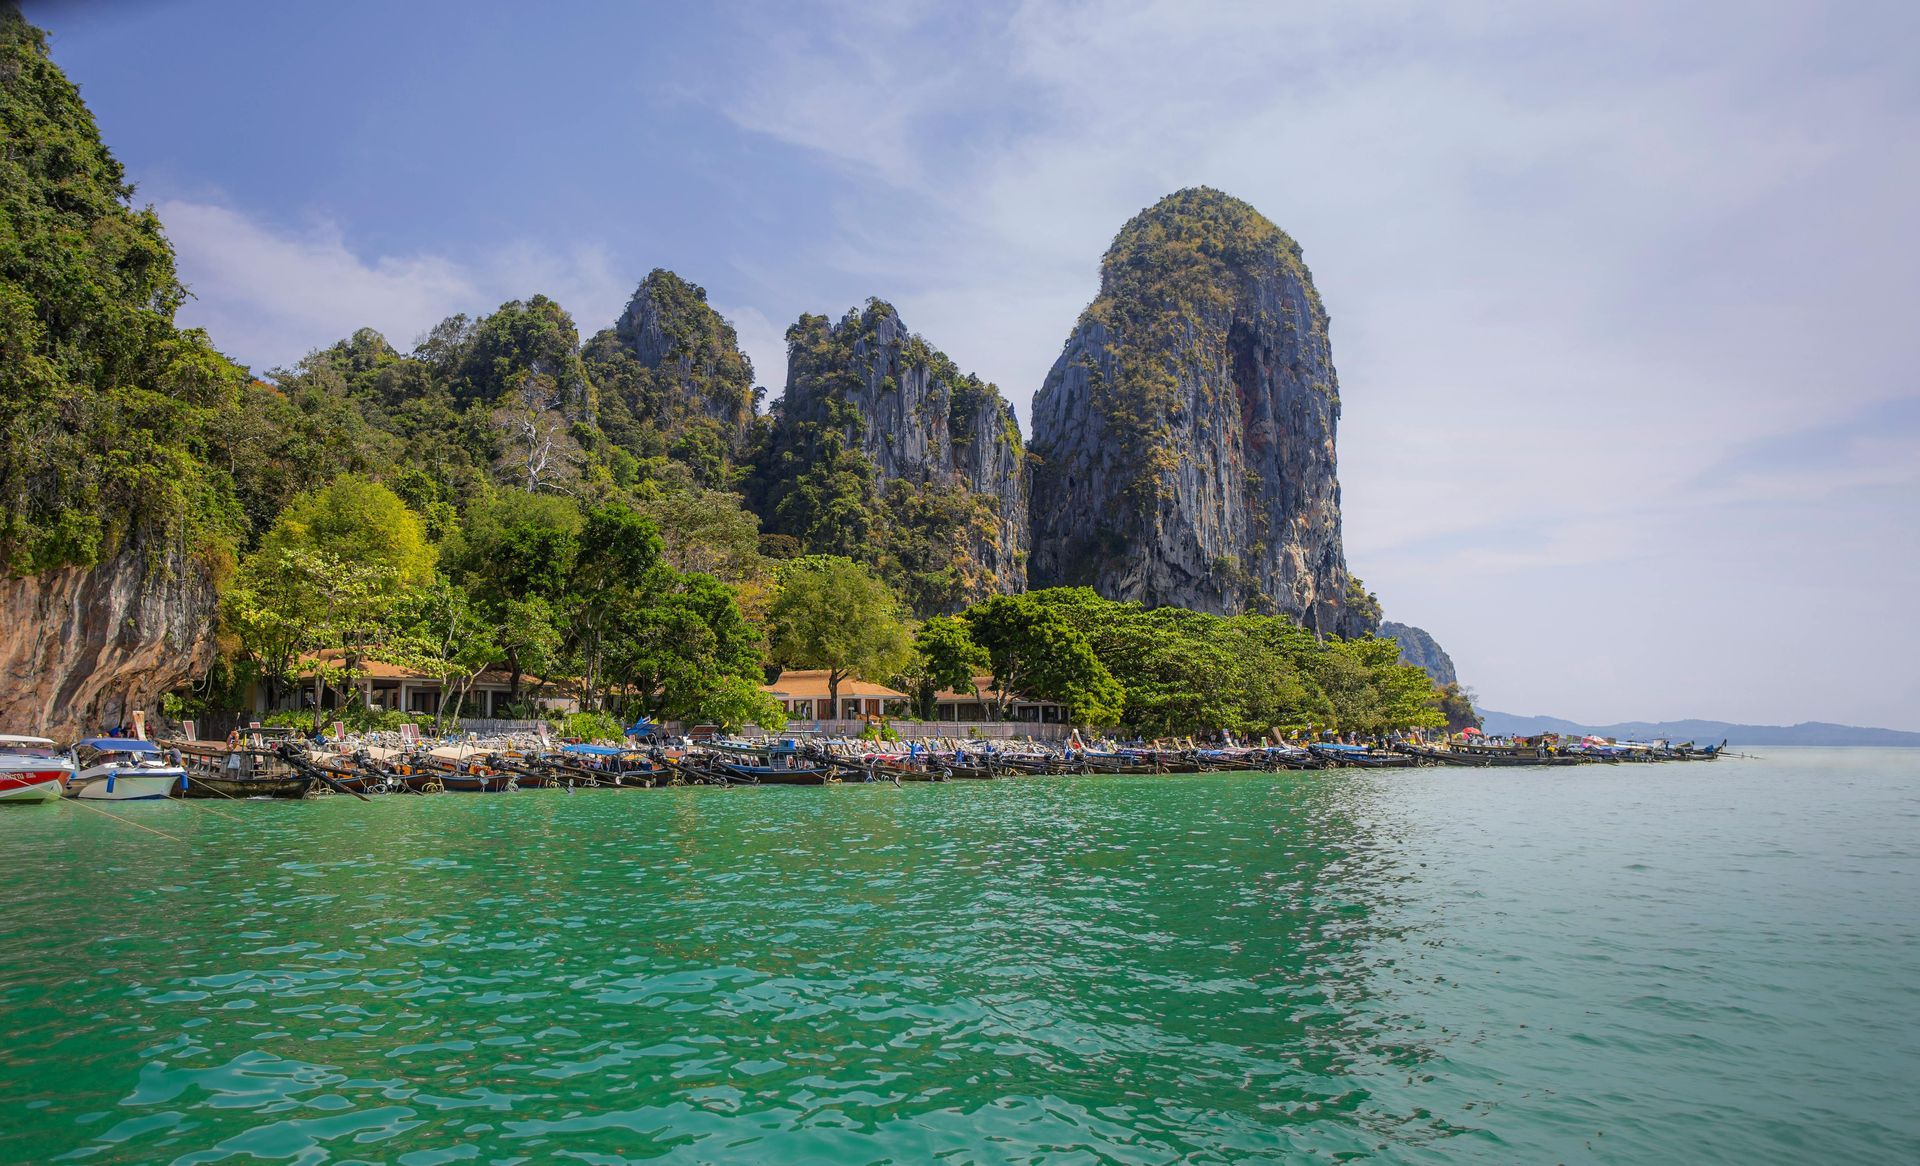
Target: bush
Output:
[(357, 719), (592, 727)]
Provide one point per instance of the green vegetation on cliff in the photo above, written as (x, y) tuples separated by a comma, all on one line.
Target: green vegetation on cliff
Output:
[(107, 402), (834, 476), (673, 380), (1167, 286)]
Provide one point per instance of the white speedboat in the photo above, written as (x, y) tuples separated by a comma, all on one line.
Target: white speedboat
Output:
[(31, 769), (122, 769)]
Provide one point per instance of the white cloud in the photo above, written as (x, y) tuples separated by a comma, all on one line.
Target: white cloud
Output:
[(1572, 253), (268, 296)]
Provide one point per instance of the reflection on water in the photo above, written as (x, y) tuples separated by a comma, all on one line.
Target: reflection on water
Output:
[(1219, 968), (1143, 969)]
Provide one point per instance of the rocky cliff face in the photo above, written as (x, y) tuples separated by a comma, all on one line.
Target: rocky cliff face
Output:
[(84, 647), (945, 468), (1185, 436), (693, 354), (1422, 651)]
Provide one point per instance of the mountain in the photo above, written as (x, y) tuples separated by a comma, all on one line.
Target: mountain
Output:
[(118, 512), (1422, 651), (673, 365), (1185, 436), (882, 450), (1805, 733)]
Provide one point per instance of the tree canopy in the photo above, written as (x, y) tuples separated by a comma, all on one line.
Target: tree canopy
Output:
[(834, 613)]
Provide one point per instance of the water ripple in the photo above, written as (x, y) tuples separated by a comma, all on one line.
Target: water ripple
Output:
[(1231, 968)]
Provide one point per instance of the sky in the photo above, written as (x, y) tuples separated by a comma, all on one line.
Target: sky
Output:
[(1623, 294)]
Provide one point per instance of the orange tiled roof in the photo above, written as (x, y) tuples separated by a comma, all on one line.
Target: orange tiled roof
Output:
[(381, 670), (811, 684)]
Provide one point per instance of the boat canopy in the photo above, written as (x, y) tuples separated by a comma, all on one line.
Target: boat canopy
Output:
[(121, 744), (18, 742), (595, 750)]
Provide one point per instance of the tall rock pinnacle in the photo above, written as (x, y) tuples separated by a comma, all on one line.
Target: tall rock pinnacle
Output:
[(1185, 436)]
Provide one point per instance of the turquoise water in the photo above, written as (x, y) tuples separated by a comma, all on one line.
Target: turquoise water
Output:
[(1701, 963)]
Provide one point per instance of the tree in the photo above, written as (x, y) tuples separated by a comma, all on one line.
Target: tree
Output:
[(1370, 690), (944, 658), (706, 531), (735, 702), (358, 521), (288, 602), (674, 652), (617, 570), (438, 630), (1036, 653), (1456, 705), (516, 555), (268, 613), (834, 613)]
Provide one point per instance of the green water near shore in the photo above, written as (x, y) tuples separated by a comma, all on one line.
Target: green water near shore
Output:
[(1701, 963)]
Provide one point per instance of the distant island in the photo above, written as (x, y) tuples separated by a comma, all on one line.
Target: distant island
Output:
[(1804, 733)]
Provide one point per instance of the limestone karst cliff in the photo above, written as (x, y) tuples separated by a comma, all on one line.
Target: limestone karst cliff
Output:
[(1422, 651), (673, 362), (881, 448), (85, 646), (1185, 436)]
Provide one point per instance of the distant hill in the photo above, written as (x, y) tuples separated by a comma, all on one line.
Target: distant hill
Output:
[(1805, 733)]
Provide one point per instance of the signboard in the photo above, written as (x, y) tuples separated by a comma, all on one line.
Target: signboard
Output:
[(140, 724), (190, 730), (339, 731), (409, 734)]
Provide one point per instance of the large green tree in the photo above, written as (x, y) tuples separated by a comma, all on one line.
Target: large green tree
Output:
[(359, 521), (944, 658), (515, 553), (834, 613), (1036, 653)]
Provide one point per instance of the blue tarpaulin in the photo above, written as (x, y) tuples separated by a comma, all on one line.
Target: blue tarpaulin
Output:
[(596, 750)]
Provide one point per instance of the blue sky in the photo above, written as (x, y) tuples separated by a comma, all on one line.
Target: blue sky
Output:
[(1622, 293)]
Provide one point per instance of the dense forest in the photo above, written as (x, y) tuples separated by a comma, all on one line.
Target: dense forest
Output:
[(615, 516)]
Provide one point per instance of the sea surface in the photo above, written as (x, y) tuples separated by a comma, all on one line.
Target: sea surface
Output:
[(1677, 963)]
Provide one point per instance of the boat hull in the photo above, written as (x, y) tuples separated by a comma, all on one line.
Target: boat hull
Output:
[(242, 788), (126, 787), (32, 786)]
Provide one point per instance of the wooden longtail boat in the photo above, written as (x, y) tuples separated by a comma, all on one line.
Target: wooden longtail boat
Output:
[(1356, 757), (216, 772), (290, 786)]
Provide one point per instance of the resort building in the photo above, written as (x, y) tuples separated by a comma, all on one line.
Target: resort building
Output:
[(982, 701), (803, 694), (391, 687)]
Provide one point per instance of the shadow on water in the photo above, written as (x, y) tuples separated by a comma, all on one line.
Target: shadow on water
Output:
[(1104, 969)]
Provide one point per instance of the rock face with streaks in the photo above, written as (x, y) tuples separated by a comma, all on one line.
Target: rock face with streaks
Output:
[(882, 449), (85, 646), (1185, 436), (1422, 651), (670, 378)]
